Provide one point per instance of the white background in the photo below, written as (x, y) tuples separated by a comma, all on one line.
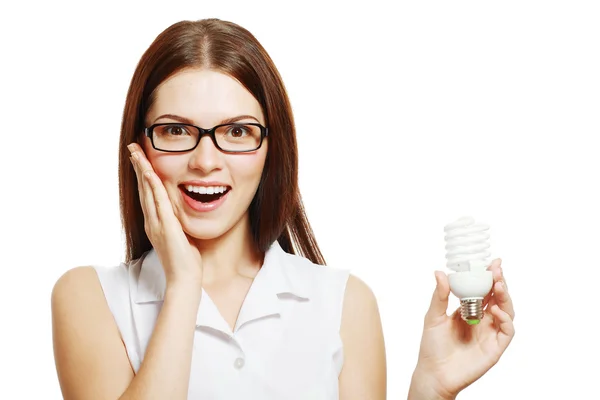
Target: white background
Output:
[(409, 116)]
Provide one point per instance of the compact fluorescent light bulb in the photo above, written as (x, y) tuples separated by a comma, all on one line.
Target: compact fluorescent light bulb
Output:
[(467, 254)]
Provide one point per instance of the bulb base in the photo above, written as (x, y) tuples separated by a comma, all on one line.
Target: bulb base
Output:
[(471, 310)]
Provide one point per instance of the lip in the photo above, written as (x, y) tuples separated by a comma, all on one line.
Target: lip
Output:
[(204, 183), (203, 207)]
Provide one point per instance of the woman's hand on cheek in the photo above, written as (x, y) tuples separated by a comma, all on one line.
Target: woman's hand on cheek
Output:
[(179, 257)]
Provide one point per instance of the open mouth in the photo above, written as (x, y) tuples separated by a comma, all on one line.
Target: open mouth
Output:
[(204, 194)]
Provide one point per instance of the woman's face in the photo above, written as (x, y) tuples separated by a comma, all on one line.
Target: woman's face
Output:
[(206, 98)]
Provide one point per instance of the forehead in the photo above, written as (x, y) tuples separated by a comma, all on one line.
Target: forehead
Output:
[(204, 96)]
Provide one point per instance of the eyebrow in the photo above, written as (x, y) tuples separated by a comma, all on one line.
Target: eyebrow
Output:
[(190, 122)]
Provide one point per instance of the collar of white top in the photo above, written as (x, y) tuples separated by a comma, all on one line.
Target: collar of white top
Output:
[(281, 274)]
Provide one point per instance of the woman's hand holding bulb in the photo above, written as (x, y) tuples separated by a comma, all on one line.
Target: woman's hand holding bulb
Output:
[(454, 354)]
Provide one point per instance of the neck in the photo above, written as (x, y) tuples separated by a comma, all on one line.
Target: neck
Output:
[(230, 255)]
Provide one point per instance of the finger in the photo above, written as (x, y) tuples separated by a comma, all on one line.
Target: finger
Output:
[(500, 288), (162, 202), (138, 177), (439, 300), (496, 268), (490, 303), (144, 189), (140, 157), (135, 151), (506, 328), (487, 300), (133, 147), (497, 271), (503, 299), (151, 212)]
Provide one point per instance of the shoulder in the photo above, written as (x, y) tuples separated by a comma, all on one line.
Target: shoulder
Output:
[(77, 295), (360, 308), (75, 284), (359, 296), (88, 292), (87, 282), (85, 336), (364, 348)]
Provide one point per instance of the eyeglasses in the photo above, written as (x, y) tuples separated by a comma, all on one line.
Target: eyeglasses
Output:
[(230, 138)]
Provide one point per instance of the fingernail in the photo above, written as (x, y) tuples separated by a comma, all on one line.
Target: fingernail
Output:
[(135, 156), (437, 278), (131, 147)]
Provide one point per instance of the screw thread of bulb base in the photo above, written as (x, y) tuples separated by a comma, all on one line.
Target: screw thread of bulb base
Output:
[(471, 310)]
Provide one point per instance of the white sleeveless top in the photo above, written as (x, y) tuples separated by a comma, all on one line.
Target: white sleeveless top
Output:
[(286, 342)]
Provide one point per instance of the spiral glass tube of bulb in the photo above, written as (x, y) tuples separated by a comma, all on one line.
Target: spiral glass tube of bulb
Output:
[(467, 254)]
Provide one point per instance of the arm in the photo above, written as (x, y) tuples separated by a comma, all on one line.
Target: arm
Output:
[(363, 376), (91, 359)]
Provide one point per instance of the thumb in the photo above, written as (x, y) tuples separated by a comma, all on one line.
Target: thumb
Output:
[(439, 300)]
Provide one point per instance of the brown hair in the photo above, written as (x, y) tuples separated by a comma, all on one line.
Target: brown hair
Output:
[(276, 212)]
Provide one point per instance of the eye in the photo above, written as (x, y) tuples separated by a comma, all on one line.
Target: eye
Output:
[(175, 130), (237, 131)]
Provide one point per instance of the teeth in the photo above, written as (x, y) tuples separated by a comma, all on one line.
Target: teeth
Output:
[(206, 189)]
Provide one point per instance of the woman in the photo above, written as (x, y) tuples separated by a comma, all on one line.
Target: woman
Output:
[(223, 294)]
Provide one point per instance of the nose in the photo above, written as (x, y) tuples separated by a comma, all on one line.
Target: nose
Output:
[(205, 157)]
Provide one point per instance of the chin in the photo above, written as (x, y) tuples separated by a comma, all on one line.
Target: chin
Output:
[(212, 225), (208, 231)]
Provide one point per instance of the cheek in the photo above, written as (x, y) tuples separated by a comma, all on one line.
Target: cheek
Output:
[(248, 170), (168, 168)]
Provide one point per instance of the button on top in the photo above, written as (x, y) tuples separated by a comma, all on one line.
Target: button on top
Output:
[(239, 363)]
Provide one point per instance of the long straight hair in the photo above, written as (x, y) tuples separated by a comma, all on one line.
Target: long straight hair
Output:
[(277, 211)]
